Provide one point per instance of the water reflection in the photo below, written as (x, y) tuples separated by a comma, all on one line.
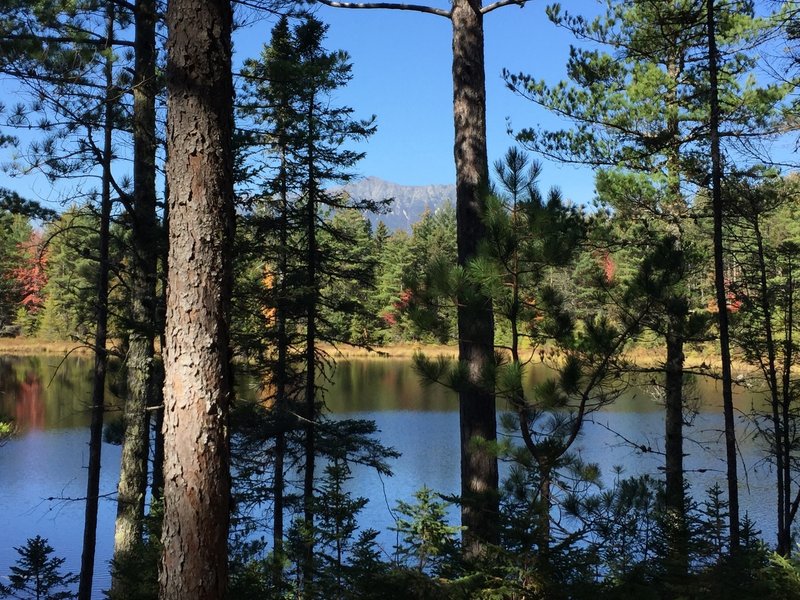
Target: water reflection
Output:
[(378, 385), (44, 392), (49, 458), (30, 407), (43, 468), (392, 385)]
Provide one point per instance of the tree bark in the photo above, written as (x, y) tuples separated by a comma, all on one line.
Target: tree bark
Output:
[(478, 421), (198, 383), (719, 284), (132, 487), (673, 449), (157, 483), (100, 355), (310, 358), (281, 376), (786, 383), (771, 372)]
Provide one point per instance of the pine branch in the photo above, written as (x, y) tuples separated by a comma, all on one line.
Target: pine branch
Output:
[(56, 39)]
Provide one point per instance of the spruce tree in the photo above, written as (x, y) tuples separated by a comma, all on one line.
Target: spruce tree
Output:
[(298, 134), (37, 574)]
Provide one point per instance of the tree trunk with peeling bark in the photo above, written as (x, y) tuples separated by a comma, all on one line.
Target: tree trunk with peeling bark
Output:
[(197, 358), (144, 224)]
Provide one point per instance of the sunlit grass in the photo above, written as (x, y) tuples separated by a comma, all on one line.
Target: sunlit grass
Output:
[(25, 346)]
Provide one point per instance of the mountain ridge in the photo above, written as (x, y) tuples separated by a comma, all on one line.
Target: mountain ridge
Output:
[(409, 201)]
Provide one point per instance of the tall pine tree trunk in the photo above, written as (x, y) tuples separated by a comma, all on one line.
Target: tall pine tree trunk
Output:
[(135, 447), (310, 412), (478, 421), (786, 382), (100, 354), (281, 377), (477, 417), (198, 383), (675, 339), (766, 307), (673, 449), (719, 284), (157, 483)]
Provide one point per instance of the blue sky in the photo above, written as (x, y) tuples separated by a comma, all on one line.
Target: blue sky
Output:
[(402, 74)]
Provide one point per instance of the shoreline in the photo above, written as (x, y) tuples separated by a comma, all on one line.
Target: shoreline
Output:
[(641, 356), (23, 346)]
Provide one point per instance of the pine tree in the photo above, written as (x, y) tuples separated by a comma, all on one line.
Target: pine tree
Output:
[(143, 378), (198, 386), (639, 104), (763, 323), (37, 574), (477, 416), (65, 54), (529, 239), (337, 525), (425, 540), (101, 323)]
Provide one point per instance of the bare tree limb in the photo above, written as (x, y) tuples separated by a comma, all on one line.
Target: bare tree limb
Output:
[(500, 4), (391, 6)]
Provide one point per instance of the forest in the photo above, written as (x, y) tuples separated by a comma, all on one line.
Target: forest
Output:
[(205, 240)]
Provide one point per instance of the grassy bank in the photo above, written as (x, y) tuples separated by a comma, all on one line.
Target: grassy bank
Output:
[(24, 346), (393, 351), (644, 356)]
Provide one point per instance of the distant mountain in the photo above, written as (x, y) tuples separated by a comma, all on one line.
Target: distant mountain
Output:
[(410, 201)]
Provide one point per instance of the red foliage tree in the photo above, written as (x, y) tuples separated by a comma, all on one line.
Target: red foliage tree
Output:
[(31, 275)]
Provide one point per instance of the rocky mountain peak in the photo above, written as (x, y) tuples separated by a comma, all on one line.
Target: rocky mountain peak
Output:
[(409, 201)]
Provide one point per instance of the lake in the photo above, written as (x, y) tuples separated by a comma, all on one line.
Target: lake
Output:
[(43, 469)]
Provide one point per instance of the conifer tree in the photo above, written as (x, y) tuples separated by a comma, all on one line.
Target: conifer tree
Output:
[(37, 574), (101, 325), (763, 247), (530, 239), (477, 416), (288, 101), (719, 270), (638, 101), (198, 386), (57, 50), (145, 246)]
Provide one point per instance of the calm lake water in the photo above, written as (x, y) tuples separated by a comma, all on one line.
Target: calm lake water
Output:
[(43, 470)]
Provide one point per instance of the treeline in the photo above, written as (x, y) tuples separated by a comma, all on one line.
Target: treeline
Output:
[(692, 240), (50, 269)]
